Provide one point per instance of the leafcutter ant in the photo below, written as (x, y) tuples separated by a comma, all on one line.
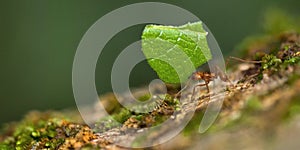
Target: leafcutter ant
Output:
[(206, 77)]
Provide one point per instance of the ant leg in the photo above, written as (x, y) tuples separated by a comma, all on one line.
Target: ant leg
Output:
[(223, 76), (179, 92), (207, 88), (194, 89)]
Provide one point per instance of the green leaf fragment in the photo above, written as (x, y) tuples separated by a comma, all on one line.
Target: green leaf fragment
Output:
[(172, 51)]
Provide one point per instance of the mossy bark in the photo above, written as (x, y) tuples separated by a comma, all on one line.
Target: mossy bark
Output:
[(260, 110)]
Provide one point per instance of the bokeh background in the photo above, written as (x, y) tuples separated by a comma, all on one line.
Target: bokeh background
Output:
[(39, 41)]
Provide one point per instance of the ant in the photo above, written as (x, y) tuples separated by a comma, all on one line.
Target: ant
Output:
[(208, 76)]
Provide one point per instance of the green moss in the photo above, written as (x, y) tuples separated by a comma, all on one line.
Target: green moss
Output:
[(114, 120), (174, 102), (34, 134), (273, 64), (270, 62), (106, 124), (159, 119), (119, 117), (7, 144), (28, 134), (170, 100), (40, 131), (259, 77), (144, 97), (122, 115), (291, 61), (138, 117), (6, 147)]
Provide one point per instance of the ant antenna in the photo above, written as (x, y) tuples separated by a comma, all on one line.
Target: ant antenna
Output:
[(187, 84), (245, 61)]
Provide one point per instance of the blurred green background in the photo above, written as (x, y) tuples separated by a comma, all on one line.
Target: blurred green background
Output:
[(39, 40)]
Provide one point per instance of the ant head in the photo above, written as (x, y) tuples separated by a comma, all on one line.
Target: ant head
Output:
[(213, 75), (197, 75)]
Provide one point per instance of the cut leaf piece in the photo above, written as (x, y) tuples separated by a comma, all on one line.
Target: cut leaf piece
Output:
[(175, 52)]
